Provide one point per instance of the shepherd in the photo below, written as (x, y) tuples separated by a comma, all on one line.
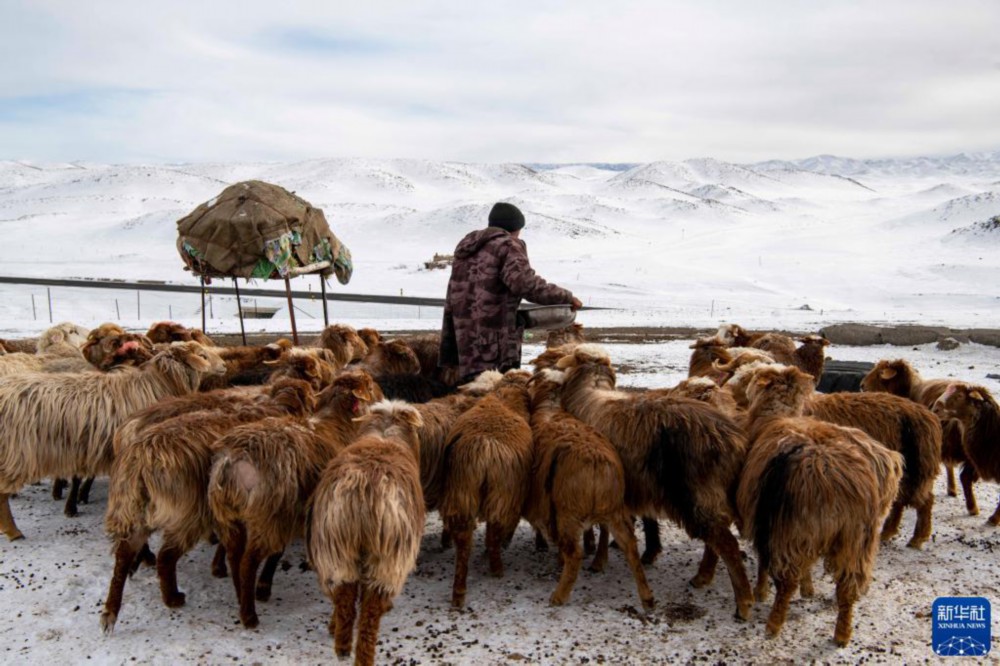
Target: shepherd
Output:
[(489, 277)]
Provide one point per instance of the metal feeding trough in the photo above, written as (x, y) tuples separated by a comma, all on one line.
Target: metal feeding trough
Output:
[(546, 317)]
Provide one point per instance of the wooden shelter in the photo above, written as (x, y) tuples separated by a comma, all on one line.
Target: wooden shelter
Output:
[(257, 230)]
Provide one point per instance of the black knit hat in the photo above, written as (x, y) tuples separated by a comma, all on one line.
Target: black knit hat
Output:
[(506, 216)]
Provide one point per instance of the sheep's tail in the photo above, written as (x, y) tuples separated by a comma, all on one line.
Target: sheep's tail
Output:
[(128, 496), (230, 488)]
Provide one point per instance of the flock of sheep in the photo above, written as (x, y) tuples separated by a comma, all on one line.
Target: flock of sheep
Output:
[(350, 440)]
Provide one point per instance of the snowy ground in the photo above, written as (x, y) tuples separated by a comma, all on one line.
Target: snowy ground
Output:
[(53, 583)]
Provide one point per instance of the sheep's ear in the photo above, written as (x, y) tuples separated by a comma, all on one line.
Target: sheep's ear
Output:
[(566, 362), (974, 394), (273, 352), (196, 362), (887, 373), (764, 382), (363, 393), (412, 417)]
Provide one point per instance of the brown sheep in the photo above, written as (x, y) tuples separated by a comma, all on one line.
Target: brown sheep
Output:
[(572, 334), (159, 482), (365, 525), (370, 336), (109, 345), (682, 458), (247, 365), (706, 352), (898, 377), (902, 426), (57, 351), (810, 357), (165, 332), (427, 349), (63, 425), (394, 357), (265, 473), (979, 417), (345, 343), (550, 357), (488, 464), (316, 366), (811, 489), (577, 481)]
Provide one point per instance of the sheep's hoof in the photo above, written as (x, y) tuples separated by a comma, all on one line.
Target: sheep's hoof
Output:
[(648, 604), (887, 536), (701, 580), (557, 600), (952, 493), (458, 601), (344, 654), (915, 544), (743, 611), (108, 621), (771, 631), (71, 512), (649, 557), (220, 571), (842, 641), (761, 593), (974, 511), (994, 520), (175, 600), (15, 535), (250, 621), (263, 593)]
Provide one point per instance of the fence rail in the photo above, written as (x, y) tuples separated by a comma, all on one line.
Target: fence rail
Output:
[(152, 285)]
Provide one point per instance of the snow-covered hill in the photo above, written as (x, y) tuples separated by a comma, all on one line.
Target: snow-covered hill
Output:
[(670, 242)]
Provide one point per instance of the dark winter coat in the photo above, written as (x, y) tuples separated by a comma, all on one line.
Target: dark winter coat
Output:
[(489, 277)]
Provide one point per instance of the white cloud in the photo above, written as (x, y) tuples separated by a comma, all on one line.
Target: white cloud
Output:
[(538, 81)]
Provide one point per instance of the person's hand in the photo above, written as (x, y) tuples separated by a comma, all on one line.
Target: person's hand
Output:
[(576, 304)]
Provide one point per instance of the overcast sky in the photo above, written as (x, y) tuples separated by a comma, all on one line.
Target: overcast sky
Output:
[(531, 81)]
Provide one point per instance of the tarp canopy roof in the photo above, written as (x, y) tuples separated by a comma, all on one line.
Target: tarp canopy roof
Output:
[(255, 229)]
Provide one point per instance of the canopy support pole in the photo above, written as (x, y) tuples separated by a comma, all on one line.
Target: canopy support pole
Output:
[(291, 311), (239, 305), (322, 288), (203, 304)]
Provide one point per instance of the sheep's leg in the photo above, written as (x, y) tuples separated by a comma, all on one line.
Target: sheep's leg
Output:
[(601, 556), (922, 530), (969, 476), (267, 576), (85, 487), (722, 541), (782, 598), (345, 600), (7, 519), (891, 526), (494, 543), (461, 531), (541, 545), (445, 538), (58, 486), (166, 570), (651, 530), (762, 589), (589, 546), (219, 562), (706, 569), (125, 554), (806, 588), (949, 471), (572, 557), (248, 581), (374, 604), (144, 556), (995, 518), (70, 510), (625, 536), (235, 543), (847, 594)]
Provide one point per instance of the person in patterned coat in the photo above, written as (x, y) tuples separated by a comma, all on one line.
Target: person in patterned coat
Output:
[(489, 277)]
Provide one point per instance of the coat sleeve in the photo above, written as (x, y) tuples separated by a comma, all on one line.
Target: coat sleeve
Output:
[(522, 280)]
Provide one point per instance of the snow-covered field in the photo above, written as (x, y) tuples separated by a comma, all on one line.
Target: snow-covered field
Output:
[(53, 585), (694, 243)]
